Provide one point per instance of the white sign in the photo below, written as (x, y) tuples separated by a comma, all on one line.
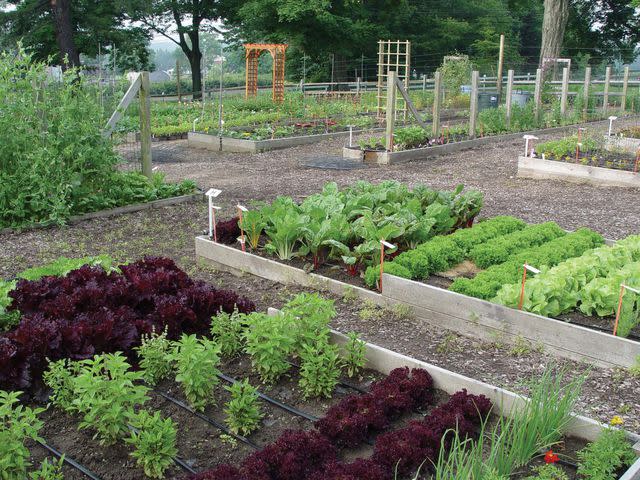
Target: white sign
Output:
[(216, 208), (387, 244), (241, 240), (531, 269), (213, 192), (244, 209), (634, 290)]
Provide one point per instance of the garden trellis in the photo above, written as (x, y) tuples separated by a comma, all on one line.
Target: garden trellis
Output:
[(393, 55), (252, 54)]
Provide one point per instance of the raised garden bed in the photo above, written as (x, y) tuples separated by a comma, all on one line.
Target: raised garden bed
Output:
[(383, 157), (622, 142), (442, 308), (238, 145), (530, 167)]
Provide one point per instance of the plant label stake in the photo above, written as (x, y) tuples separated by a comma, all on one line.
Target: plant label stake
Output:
[(382, 245), (635, 166), (213, 215), (240, 223), (527, 139), (611, 119), (623, 288), (211, 194), (350, 135), (242, 242), (524, 280), (578, 145)]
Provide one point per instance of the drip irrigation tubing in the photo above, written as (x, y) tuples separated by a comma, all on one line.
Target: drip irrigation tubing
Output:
[(273, 401), (210, 421), (85, 471)]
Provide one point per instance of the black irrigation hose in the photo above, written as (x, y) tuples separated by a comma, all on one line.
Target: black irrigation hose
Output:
[(176, 460), (210, 421), (275, 402), (69, 460)]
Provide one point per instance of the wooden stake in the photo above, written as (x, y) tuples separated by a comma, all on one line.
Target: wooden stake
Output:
[(437, 99), (391, 108), (473, 105), (565, 92), (381, 264), (178, 81), (500, 66), (508, 101), (537, 94), (619, 309), (585, 93), (524, 280), (145, 125), (625, 86), (605, 96)]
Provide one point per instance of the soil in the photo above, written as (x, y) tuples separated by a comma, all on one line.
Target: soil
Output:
[(200, 445)]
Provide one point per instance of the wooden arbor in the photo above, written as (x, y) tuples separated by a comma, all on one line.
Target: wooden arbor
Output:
[(252, 54)]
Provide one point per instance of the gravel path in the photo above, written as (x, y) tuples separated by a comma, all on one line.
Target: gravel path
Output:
[(615, 212)]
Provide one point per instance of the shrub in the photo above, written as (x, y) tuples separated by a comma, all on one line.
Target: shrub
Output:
[(54, 160)]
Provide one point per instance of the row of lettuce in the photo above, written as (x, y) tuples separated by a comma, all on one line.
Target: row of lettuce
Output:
[(347, 225), (577, 271)]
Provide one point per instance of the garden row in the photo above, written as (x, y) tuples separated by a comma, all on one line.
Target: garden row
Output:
[(109, 397), (348, 226)]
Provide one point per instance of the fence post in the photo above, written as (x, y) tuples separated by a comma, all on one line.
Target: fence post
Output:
[(625, 86), (585, 93), (437, 98), (605, 95), (391, 108), (508, 99), (145, 125), (178, 80), (537, 94), (473, 104), (424, 82), (565, 91), (357, 84), (500, 66)]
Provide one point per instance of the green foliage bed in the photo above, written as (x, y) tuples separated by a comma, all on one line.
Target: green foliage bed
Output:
[(54, 161)]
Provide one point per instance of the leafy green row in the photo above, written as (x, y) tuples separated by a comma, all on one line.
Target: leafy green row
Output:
[(601, 295), (348, 224), (486, 284), (443, 252), (499, 249), (559, 289)]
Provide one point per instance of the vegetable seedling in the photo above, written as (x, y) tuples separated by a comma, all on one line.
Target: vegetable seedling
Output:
[(623, 288), (525, 268)]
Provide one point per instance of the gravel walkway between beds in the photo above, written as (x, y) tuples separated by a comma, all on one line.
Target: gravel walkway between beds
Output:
[(169, 231)]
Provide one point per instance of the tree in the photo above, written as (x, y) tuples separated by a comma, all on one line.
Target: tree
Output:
[(554, 23), (64, 28), (187, 19)]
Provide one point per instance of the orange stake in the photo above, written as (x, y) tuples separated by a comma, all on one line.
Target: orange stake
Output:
[(381, 264), (524, 279), (241, 227), (635, 167), (615, 325)]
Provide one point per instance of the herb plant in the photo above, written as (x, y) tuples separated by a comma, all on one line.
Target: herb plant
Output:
[(17, 424), (601, 460), (154, 358), (243, 410), (320, 370), (269, 341), (354, 358), (227, 330), (196, 363), (49, 470), (154, 439)]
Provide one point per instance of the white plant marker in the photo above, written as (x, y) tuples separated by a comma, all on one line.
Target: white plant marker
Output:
[(383, 244), (611, 119), (527, 139), (350, 135), (211, 194)]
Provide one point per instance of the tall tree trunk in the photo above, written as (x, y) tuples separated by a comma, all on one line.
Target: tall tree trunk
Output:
[(195, 60), (61, 10), (556, 15)]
